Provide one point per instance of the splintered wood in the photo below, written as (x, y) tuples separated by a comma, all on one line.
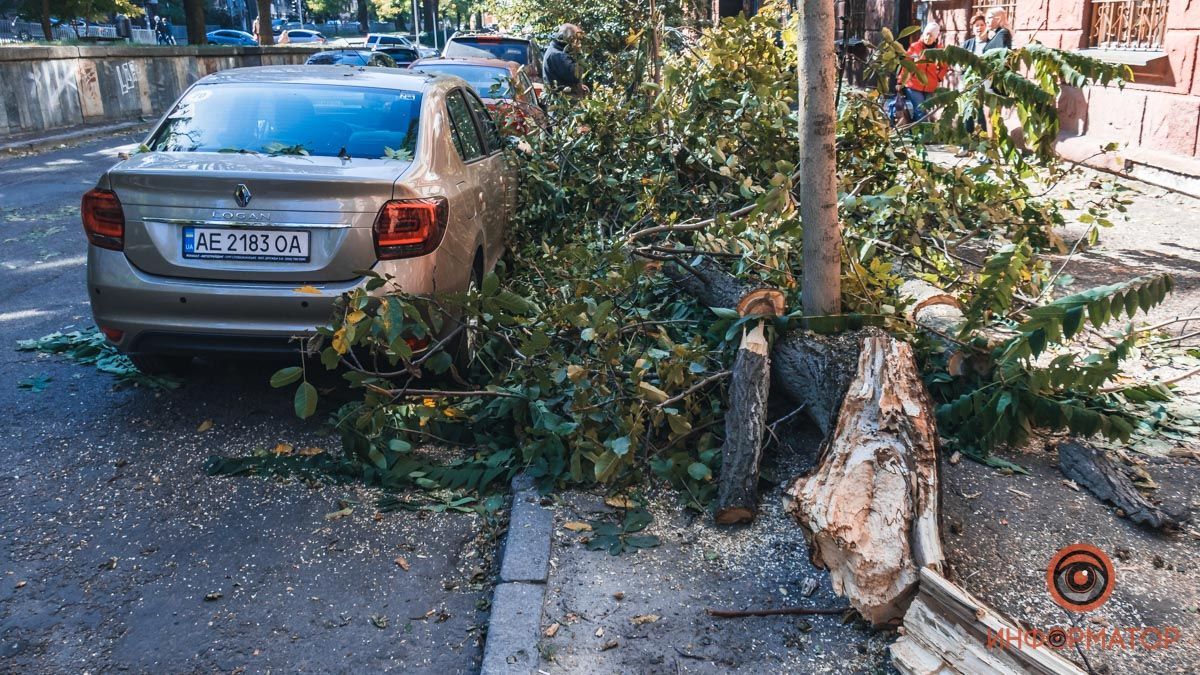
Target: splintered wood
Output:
[(870, 510)]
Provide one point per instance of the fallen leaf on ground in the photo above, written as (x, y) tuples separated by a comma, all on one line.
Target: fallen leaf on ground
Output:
[(402, 563), (204, 426), (644, 619), (552, 630), (309, 452), (619, 595), (600, 632), (215, 595), (611, 644), (283, 449), (339, 514), (379, 621), (307, 288), (619, 502), (21, 584), (577, 526)]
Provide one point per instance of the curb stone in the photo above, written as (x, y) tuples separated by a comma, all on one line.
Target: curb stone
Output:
[(515, 622), (38, 143)]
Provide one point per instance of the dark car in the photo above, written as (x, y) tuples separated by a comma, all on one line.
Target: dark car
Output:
[(231, 37), (478, 45), (503, 86), (402, 55), (351, 57)]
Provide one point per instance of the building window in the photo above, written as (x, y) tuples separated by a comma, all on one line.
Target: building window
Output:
[(1128, 24), (855, 13), (1010, 6)]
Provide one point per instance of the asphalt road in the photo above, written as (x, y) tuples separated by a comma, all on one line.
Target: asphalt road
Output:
[(112, 536)]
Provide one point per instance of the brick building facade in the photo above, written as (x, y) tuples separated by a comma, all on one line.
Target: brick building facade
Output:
[(1157, 115)]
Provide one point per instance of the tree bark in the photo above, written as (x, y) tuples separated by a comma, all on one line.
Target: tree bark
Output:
[(364, 18), (870, 510), (1092, 469), (745, 423), (193, 12), (47, 29), (265, 37), (821, 285), (812, 370)]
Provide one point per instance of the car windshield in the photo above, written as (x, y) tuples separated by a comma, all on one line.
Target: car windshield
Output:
[(490, 82), (296, 119), (516, 51)]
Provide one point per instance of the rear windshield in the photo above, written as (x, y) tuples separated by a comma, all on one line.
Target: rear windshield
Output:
[(292, 119), (488, 82), (488, 48)]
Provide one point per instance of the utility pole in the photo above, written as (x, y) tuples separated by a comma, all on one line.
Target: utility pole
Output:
[(416, 24)]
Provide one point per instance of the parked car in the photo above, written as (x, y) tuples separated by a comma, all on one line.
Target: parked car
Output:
[(402, 55), (489, 45), (231, 37), (503, 85), (299, 36), (351, 57), (376, 40), (264, 193)]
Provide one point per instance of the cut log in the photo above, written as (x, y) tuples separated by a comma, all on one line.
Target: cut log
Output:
[(812, 370), (870, 510), (932, 308), (1092, 469), (947, 631), (745, 423)]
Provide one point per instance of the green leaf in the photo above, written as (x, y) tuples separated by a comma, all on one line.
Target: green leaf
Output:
[(699, 471), (1072, 321), (285, 376), (306, 400)]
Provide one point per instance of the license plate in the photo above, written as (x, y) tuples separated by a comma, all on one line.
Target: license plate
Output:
[(220, 243)]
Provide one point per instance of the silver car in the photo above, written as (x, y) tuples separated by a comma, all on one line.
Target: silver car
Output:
[(265, 193)]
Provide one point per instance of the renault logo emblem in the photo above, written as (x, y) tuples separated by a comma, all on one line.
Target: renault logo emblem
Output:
[(242, 194)]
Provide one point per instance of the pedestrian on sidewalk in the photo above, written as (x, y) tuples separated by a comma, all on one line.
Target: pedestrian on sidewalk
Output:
[(976, 44), (559, 70), (999, 37), (916, 90)]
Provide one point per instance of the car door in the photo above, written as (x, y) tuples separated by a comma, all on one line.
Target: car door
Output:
[(499, 188), (471, 149)]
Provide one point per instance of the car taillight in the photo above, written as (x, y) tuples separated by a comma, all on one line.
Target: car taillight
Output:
[(406, 228), (103, 219)]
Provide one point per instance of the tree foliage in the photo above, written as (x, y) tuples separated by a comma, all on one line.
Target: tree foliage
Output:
[(593, 367)]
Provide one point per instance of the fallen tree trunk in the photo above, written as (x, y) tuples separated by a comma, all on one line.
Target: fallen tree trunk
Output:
[(948, 631), (745, 423), (1092, 469), (870, 509), (812, 370)]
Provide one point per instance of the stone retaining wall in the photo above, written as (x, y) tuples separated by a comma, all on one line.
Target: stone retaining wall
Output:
[(46, 88)]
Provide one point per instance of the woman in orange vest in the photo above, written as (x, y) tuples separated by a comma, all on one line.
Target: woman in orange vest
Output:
[(914, 89)]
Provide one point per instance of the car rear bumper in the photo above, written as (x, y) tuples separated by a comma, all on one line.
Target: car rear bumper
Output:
[(159, 314)]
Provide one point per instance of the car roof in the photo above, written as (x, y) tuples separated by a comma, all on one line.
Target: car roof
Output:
[(385, 78), (450, 61)]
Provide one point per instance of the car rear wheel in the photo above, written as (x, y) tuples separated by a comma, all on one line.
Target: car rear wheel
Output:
[(467, 343), (161, 364)]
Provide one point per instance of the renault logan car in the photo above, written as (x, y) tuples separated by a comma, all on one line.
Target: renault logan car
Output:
[(265, 193)]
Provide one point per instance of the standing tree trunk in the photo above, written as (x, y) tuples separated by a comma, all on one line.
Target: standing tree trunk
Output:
[(364, 19), (821, 286), (429, 19), (265, 36), (47, 29), (193, 12)]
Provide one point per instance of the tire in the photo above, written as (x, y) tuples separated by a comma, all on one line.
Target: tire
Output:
[(466, 344), (161, 364)]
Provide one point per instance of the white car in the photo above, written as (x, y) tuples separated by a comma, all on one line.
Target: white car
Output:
[(299, 36)]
